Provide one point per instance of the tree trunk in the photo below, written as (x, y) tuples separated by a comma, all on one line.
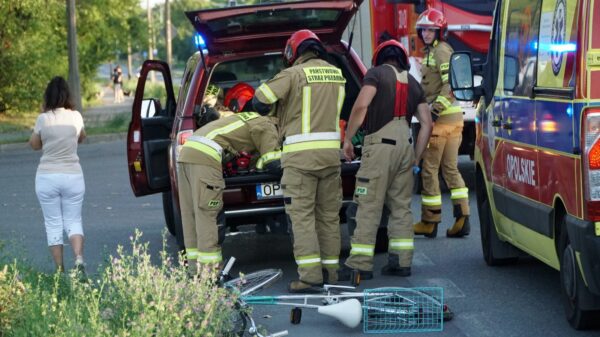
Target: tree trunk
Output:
[(168, 32), (129, 65), (74, 82), (150, 39)]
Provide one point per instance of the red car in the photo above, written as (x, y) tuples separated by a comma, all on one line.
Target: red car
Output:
[(240, 44)]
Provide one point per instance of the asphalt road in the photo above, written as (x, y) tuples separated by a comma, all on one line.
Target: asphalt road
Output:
[(517, 300)]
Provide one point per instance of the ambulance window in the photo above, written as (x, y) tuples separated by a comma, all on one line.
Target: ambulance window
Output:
[(521, 47), (558, 44)]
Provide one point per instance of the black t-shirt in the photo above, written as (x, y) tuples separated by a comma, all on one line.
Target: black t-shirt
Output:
[(381, 110)]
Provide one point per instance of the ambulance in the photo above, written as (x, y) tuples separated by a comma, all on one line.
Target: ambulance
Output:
[(537, 152)]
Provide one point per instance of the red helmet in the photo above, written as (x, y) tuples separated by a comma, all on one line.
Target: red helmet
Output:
[(433, 18), (291, 47), (238, 96), (390, 48)]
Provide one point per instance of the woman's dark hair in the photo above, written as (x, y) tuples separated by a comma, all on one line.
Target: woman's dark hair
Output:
[(58, 95)]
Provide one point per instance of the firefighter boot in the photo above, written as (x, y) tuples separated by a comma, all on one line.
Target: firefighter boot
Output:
[(330, 276), (429, 229), (301, 287), (460, 228), (393, 267)]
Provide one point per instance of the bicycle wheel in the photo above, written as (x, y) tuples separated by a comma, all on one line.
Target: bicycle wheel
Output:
[(238, 321), (253, 282)]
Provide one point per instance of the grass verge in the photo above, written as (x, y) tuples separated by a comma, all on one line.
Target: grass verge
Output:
[(131, 297)]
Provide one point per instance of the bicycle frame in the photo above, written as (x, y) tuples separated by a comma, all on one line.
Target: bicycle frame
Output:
[(383, 309)]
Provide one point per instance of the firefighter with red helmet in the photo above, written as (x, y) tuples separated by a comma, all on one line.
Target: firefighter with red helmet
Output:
[(307, 98), (200, 172), (442, 151), (385, 176)]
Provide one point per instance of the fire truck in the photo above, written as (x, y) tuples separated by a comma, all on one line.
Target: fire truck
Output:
[(469, 27)]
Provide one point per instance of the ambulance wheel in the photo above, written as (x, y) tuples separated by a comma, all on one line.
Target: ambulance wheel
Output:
[(490, 243), (296, 315), (573, 288)]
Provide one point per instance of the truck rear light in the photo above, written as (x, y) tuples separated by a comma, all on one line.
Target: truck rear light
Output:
[(590, 139), (594, 156)]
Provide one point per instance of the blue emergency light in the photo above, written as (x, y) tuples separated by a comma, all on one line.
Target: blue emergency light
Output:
[(563, 47), (199, 42), (557, 47), (570, 111)]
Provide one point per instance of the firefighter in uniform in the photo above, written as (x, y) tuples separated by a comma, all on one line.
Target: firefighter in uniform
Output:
[(309, 96), (385, 176), (446, 136), (200, 171)]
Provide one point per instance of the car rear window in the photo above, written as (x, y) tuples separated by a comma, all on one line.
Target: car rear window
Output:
[(256, 70), (268, 21), (253, 71)]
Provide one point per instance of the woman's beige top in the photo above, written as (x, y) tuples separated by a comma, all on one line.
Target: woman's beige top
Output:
[(59, 130)]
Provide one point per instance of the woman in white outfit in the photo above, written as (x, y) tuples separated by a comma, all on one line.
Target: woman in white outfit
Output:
[(59, 182)]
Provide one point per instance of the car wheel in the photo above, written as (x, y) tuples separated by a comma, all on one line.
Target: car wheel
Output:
[(572, 286), (178, 227), (418, 184), (381, 242), (167, 200), (489, 239), (221, 227)]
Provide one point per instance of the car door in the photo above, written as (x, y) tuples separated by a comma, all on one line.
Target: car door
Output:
[(149, 134), (268, 26)]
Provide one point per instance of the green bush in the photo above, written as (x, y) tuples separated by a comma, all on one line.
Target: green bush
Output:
[(131, 297)]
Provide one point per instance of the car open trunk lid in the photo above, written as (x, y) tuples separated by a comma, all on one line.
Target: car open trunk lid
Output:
[(268, 26)]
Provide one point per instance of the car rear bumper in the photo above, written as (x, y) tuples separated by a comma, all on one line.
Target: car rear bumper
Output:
[(264, 210), (240, 199)]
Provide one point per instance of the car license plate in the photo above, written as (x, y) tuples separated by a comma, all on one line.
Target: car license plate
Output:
[(269, 190)]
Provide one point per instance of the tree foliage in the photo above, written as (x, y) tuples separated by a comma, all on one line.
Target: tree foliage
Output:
[(33, 48), (33, 44)]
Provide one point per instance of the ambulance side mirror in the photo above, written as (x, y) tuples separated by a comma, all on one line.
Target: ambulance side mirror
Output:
[(461, 77)]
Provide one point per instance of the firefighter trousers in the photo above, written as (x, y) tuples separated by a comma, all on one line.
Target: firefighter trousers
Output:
[(385, 178), (312, 201), (442, 153), (201, 200)]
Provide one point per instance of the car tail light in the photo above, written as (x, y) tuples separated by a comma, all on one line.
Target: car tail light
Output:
[(591, 162), (182, 136)]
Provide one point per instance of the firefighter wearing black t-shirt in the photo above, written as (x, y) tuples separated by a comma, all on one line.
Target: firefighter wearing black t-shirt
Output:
[(385, 176)]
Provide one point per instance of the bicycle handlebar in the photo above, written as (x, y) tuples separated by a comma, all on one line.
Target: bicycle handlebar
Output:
[(228, 266)]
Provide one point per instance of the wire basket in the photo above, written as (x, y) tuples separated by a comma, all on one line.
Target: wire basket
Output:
[(394, 310)]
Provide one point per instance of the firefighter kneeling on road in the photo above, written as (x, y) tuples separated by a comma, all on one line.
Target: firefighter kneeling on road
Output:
[(446, 135), (200, 171), (388, 160)]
